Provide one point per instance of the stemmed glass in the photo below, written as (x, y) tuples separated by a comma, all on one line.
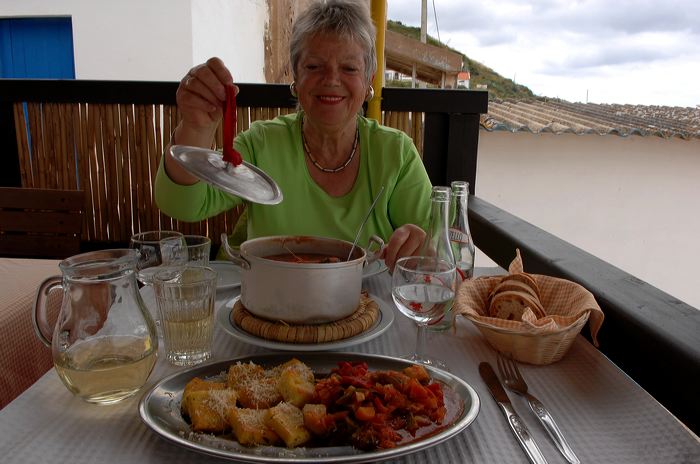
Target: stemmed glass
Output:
[(423, 287)]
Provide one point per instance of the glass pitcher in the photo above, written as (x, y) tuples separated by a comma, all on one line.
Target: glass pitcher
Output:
[(104, 344)]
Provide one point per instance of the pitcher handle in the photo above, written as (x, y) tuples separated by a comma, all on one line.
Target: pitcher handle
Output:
[(39, 316), (372, 256)]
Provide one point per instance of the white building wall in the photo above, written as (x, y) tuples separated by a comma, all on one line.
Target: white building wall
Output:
[(233, 30), (634, 201), (156, 40)]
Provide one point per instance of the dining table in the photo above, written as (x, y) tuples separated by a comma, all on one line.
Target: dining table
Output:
[(604, 414)]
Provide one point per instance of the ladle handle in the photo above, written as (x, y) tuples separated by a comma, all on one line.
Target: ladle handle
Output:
[(364, 221), (39, 316)]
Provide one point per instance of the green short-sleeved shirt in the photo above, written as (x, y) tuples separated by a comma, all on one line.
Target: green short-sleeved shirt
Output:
[(388, 157)]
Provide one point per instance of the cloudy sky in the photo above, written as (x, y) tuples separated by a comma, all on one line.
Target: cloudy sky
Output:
[(601, 51)]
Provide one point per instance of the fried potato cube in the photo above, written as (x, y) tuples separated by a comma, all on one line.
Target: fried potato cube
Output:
[(206, 404), (259, 393), (288, 422), (296, 384), (317, 420), (302, 369), (240, 373), (256, 387), (250, 428)]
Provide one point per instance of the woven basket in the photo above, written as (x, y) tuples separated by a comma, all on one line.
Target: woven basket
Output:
[(531, 348), (542, 341)]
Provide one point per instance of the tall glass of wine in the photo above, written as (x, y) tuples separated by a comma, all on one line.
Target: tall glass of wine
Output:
[(423, 287)]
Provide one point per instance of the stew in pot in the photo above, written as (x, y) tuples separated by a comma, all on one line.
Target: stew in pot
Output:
[(310, 258)]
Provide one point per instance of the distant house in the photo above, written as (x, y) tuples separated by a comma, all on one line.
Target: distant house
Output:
[(427, 63), (463, 79)]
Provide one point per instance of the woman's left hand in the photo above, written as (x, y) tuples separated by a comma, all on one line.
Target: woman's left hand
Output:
[(405, 241)]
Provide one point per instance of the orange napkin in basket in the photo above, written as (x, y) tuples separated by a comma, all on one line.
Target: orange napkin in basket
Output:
[(565, 302)]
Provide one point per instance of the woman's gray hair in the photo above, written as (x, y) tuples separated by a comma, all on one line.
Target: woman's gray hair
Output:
[(345, 18)]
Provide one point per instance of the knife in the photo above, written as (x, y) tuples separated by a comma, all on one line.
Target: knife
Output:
[(527, 443)]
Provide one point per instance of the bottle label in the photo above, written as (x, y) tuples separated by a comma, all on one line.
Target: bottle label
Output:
[(458, 236)]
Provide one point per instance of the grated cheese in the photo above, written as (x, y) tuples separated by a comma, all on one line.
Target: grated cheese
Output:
[(220, 401)]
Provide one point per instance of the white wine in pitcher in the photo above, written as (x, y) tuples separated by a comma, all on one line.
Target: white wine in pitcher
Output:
[(106, 370)]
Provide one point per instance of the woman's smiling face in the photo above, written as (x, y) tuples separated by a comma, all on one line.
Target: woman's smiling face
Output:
[(330, 80)]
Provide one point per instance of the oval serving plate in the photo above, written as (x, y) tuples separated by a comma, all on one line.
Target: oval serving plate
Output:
[(159, 409)]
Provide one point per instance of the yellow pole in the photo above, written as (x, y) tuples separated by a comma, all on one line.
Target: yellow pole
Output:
[(378, 11)]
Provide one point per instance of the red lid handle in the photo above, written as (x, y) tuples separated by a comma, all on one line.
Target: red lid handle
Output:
[(231, 155)]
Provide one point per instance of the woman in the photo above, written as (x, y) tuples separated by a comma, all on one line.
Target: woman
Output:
[(328, 160)]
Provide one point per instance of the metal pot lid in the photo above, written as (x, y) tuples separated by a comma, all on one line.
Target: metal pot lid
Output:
[(245, 180)]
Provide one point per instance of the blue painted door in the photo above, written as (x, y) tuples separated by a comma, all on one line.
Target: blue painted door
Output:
[(40, 48)]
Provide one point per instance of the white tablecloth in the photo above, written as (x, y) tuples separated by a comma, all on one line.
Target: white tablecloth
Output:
[(606, 417)]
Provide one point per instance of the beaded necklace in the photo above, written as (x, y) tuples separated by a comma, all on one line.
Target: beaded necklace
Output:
[(328, 170)]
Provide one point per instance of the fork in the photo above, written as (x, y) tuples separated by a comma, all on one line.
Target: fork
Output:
[(515, 382)]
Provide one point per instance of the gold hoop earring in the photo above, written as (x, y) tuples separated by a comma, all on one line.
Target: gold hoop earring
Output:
[(293, 89), (370, 93)]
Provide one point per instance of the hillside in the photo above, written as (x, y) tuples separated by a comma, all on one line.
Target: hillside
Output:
[(498, 86)]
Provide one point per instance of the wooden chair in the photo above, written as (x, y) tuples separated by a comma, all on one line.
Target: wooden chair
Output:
[(40, 223)]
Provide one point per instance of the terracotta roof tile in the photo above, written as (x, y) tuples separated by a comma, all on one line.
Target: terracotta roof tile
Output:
[(559, 117)]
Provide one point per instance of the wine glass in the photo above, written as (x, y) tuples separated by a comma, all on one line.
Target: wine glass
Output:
[(150, 261), (423, 288)]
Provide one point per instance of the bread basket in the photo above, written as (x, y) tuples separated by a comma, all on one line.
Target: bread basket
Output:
[(536, 341)]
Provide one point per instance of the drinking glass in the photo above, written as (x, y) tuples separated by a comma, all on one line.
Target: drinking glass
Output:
[(197, 248), (150, 261), (185, 297), (422, 287)]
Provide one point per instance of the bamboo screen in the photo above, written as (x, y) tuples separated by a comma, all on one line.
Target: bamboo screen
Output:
[(112, 152), (409, 122)]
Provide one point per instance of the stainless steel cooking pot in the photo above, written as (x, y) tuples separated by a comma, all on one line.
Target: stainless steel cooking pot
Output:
[(300, 293)]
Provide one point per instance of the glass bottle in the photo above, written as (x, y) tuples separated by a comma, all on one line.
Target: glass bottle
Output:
[(460, 237), (437, 242)]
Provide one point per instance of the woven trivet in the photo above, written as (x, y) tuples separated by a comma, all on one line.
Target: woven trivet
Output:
[(361, 320)]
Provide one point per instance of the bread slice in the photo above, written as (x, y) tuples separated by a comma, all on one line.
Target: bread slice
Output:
[(511, 305), (525, 278), (513, 285)]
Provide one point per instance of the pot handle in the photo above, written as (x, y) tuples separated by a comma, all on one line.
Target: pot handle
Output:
[(39, 318), (232, 254), (372, 256)]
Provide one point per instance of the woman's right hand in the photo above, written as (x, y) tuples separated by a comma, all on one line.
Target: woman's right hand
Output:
[(200, 97)]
